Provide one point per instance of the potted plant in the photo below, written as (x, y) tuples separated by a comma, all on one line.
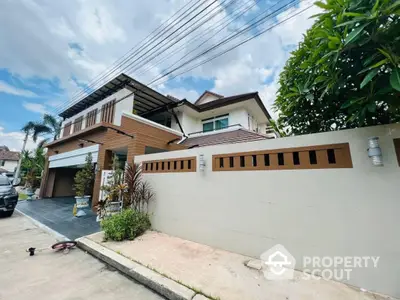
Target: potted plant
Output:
[(113, 192), (83, 186), (29, 183)]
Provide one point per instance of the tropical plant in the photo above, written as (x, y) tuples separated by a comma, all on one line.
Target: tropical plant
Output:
[(48, 126), (114, 186), (346, 72), (129, 224), (32, 165), (139, 193), (84, 178)]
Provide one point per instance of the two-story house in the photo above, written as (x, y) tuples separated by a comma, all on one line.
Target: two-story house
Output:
[(127, 118)]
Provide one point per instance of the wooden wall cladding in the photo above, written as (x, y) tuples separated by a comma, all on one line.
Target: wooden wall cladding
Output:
[(310, 157), (173, 165)]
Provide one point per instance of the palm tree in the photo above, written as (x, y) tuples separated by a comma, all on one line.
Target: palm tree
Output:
[(54, 125), (49, 126)]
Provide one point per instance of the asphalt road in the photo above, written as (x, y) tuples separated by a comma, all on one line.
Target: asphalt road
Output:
[(49, 275)]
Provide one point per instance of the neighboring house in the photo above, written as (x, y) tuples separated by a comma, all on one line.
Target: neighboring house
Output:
[(8, 160), (126, 118)]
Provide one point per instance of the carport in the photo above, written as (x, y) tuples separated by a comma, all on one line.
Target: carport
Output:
[(63, 168)]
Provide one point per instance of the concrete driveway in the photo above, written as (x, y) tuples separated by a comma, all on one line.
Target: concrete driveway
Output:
[(49, 275)]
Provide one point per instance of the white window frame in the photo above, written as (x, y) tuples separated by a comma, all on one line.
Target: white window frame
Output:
[(213, 120)]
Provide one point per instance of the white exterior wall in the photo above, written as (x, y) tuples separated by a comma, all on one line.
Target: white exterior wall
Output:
[(73, 158), (207, 98), (322, 212), (10, 165), (124, 105), (191, 124), (239, 116)]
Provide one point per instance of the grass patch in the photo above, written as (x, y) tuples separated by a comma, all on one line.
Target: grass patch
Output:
[(22, 196)]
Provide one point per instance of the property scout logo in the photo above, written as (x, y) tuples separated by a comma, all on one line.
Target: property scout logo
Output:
[(279, 264)]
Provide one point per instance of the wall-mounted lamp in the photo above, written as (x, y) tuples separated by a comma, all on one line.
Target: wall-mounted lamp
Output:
[(374, 151), (202, 163)]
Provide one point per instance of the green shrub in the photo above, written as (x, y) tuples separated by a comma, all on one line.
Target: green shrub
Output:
[(127, 225)]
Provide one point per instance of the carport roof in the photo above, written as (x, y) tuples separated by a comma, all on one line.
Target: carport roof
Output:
[(147, 100)]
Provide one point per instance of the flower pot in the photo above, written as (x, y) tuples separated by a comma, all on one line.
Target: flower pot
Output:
[(29, 193), (81, 203)]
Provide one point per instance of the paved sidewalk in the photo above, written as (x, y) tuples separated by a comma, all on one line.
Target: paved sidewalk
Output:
[(223, 274), (55, 276), (56, 213)]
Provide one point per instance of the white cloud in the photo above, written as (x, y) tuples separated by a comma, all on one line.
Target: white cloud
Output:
[(15, 139), (98, 24), (106, 31), (9, 89), (35, 107), (62, 29), (181, 93)]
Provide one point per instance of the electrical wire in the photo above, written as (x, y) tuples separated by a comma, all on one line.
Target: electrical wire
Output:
[(230, 49), (212, 58), (245, 29), (143, 48), (242, 11)]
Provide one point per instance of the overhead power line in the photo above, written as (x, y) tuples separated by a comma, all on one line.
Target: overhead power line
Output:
[(256, 21), (237, 33), (130, 66), (190, 29), (230, 49), (137, 48), (141, 51), (217, 55), (223, 23)]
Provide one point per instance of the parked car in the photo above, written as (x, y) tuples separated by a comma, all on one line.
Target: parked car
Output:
[(8, 197), (10, 176)]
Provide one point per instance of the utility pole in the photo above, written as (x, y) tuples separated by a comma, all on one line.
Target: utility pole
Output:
[(18, 171)]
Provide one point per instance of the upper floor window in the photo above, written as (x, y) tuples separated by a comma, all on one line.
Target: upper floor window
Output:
[(67, 129), (107, 112), (78, 124), (91, 118), (215, 123)]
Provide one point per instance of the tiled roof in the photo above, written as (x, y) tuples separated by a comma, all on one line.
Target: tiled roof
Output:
[(9, 155), (228, 137), (228, 101)]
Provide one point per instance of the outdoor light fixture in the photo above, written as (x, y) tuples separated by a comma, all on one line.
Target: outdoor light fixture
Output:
[(374, 151), (202, 162)]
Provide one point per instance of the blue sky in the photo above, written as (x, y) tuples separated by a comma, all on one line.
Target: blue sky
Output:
[(52, 49)]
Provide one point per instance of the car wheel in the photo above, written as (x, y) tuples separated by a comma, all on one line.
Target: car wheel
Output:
[(6, 213)]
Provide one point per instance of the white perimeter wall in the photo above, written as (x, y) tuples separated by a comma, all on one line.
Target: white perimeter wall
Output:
[(328, 212), (124, 105)]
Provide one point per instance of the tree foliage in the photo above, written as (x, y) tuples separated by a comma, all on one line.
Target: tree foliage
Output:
[(32, 165), (84, 178), (50, 125), (346, 72)]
